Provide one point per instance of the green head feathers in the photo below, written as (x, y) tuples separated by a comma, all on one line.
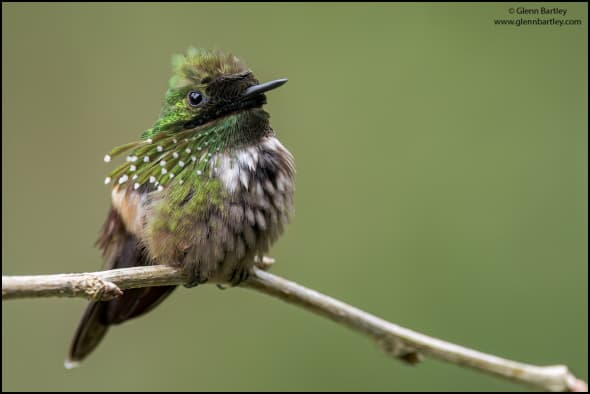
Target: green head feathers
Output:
[(213, 103), (194, 72)]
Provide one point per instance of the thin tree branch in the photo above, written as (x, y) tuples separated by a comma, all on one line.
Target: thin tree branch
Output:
[(394, 340)]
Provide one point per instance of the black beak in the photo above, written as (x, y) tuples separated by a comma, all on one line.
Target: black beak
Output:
[(263, 87)]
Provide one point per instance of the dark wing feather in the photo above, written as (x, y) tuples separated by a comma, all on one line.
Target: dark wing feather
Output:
[(121, 249)]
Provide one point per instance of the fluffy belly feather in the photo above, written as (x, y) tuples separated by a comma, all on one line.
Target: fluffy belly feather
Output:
[(216, 223)]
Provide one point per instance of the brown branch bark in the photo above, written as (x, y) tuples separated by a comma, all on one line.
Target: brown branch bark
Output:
[(396, 341)]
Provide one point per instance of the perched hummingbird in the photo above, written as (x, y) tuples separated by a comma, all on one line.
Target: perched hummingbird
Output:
[(208, 188)]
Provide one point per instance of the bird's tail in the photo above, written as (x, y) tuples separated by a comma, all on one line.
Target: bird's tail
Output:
[(88, 335), (121, 249)]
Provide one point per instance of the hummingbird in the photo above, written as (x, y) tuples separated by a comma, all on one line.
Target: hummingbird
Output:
[(208, 188)]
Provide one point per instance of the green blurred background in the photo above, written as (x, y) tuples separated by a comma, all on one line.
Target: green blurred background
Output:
[(441, 184)]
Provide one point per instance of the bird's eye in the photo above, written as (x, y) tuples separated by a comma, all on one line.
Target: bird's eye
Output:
[(195, 99)]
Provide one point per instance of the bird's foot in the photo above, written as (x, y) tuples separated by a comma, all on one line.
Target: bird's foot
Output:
[(195, 279), (238, 276)]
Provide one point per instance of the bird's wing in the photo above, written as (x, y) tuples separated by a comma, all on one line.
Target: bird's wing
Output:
[(121, 249)]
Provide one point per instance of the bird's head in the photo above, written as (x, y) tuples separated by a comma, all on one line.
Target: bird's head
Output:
[(213, 103), (207, 86)]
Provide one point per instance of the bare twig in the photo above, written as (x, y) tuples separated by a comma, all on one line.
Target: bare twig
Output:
[(394, 340), (96, 286)]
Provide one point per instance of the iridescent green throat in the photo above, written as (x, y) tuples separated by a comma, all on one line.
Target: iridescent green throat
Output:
[(175, 155)]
